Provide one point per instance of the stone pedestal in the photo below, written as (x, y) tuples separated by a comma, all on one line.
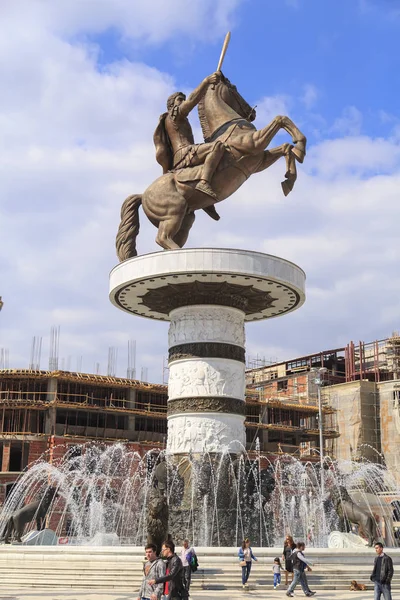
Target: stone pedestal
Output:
[(206, 379), (207, 295)]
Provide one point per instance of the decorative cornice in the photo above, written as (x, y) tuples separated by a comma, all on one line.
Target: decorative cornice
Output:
[(206, 404), (244, 297), (207, 350)]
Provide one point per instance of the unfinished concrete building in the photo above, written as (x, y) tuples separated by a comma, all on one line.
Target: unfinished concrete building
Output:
[(285, 397), (360, 399), (40, 410)]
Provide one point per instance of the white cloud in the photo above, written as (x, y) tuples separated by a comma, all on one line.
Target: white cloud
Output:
[(153, 21), (77, 139), (310, 95), (349, 123), (271, 106)]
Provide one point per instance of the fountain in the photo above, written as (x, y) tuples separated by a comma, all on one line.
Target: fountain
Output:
[(104, 493)]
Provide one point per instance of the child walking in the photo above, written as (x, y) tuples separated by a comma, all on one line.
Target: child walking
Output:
[(277, 572)]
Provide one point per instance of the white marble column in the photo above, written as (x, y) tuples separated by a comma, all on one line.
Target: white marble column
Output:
[(206, 385)]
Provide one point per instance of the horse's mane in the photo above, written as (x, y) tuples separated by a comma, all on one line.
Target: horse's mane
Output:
[(205, 127)]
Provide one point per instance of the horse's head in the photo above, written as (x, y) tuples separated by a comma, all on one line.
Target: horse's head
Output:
[(231, 96), (222, 104)]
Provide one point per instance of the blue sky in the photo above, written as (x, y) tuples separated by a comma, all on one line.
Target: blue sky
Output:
[(347, 49), (83, 84)]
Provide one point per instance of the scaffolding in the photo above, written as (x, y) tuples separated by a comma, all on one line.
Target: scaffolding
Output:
[(376, 361)]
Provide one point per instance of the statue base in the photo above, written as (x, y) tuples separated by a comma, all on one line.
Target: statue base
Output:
[(207, 295), (46, 537), (339, 539)]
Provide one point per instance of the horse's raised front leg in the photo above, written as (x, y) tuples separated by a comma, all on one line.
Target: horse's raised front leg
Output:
[(298, 138), (271, 156), (255, 141), (291, 172)]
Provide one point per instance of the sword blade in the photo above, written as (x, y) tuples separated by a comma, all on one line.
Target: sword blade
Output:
[(224, 49)]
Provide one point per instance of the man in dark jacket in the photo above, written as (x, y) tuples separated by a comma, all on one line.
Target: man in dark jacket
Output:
[(300, 564), (382, 574), (174, 588)]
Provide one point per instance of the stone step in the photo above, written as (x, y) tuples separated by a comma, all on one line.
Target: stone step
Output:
[(120, 568)]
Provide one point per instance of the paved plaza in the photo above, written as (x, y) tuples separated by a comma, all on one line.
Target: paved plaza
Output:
[(36, 594)]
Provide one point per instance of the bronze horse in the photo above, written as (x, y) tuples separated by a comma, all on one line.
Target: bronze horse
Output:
[(170, 202), (348, 510), (34, 510)]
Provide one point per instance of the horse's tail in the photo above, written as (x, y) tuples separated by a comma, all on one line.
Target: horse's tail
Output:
[(128, 228)]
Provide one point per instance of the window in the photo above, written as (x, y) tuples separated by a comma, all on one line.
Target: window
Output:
[(9, 489), (282, 385), (15, 458)]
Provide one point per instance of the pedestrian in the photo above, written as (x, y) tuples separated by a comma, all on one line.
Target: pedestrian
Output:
[(300, 564), (277, 567), (187, 554), (246, 555), (173, 578), (382, 574), (153, 568), (288, 547)]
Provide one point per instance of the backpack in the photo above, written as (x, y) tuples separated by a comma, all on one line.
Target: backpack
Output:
[(194, 563), (293, 558)]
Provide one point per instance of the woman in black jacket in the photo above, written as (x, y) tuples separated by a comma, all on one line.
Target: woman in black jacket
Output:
[(288, 548)]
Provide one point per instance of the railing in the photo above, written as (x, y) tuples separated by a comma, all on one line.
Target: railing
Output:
[(302, 401), (45, 399)]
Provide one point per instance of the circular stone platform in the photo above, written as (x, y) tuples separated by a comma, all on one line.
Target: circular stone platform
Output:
[(260, 285)]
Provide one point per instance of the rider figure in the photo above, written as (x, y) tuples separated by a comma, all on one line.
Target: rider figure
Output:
[(173, 138)]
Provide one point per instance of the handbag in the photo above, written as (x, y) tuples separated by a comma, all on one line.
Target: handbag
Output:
[(242, 563)]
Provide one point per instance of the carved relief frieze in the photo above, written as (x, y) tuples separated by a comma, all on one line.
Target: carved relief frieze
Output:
[(200, 434), (206, 324), (213, 377)]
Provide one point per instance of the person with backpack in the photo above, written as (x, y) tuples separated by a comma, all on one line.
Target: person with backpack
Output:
[(189, 562), (300, 564), (288, 548)]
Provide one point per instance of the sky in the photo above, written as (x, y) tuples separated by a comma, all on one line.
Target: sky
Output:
[(82, 87)]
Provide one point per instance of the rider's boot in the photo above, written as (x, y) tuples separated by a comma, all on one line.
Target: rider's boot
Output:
[(205, 187)]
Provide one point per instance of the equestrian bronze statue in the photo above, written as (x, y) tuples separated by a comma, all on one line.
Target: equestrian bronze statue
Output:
[(37, 510), (198, 176)]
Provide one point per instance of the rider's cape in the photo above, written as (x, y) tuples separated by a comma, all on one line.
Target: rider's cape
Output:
[(164, 154)]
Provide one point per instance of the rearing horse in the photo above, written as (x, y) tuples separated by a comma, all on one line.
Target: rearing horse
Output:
[(170, 202)]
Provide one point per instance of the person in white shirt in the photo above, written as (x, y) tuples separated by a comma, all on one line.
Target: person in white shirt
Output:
[(186, 555)]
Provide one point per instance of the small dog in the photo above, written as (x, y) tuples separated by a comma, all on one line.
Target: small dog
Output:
[(357, 587)]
